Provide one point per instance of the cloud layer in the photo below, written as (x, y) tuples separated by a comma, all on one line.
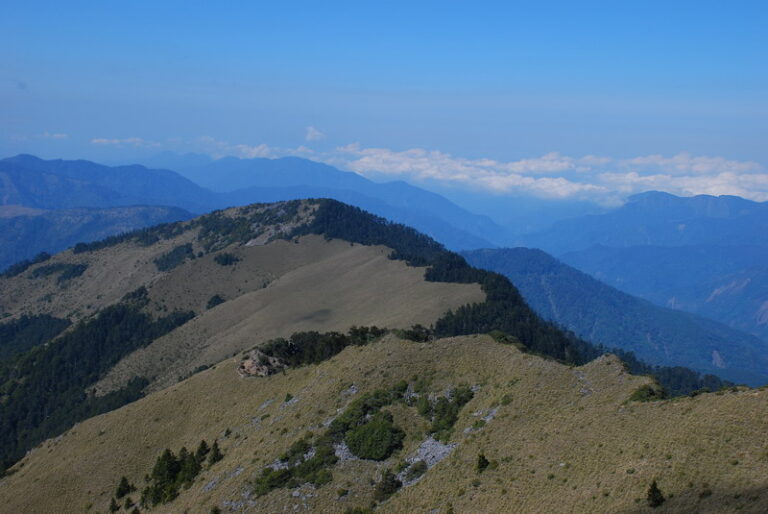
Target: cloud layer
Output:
[(601, 179), (136, 142), (596, 178)]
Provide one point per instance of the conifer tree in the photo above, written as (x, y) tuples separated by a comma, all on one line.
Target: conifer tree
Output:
[(655, 497), (124, 488), (482, 463), (113, 506), (215, 455), (189, 467), (202, 451)]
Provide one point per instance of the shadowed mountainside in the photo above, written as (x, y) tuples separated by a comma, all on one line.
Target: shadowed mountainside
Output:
[(604, 315)]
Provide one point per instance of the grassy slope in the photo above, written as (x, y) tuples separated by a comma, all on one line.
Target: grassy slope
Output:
[(333, 285), (120, 268), (576, 417)]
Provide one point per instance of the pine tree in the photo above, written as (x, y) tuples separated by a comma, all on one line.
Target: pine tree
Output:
[(215, 455), (482, 463), (124, 488), (189, 468), (202, 451), (113, 506), (655, 498)]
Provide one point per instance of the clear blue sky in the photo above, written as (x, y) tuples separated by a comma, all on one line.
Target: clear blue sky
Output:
[(501, 80)]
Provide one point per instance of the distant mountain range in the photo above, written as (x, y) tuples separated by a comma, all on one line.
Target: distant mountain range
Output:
[(60, 184), (248, 180), (604, 315), (703, 254), (23, 236), (27, 182), (725, 283), (661, 219)]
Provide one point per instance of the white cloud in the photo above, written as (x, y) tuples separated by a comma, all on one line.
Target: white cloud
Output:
[(684, 162), (249, 152), (217, 149), (314, 134), (597, 178), (128, 141), (56, 135)]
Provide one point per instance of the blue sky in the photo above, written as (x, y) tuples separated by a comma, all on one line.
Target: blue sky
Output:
[(477, 81)]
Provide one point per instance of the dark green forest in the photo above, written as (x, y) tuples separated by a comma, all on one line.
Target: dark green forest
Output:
[(42, 391), (314, 347), (26, 332)]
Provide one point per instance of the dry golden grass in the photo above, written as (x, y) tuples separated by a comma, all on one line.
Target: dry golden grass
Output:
[(566, 442), (116, 270), (112, 272), (320, 285)]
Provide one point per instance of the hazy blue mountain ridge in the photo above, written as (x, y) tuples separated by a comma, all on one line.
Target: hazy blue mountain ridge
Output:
[(56, 184), (62, 185), (604, 315), (661, 219), (238, 176), (22, 237)]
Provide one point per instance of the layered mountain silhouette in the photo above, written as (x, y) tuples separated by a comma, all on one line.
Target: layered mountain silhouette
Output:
[(53, 185), (703, 254), (605, 315), (287, 178)]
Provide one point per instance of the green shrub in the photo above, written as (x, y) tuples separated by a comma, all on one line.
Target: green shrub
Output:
[(647, 393), (387, 487), (174, 258), (66, 271), (226, 259), (376, 439), (444, 412), (424, 406), (417, 469), (214, 300)]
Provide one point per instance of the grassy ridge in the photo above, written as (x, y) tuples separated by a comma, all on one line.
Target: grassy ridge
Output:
[(504, 308)]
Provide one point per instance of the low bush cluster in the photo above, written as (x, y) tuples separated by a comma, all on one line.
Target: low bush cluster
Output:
[(369, 433), (444, 412), (175, 257), (226, 259)]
